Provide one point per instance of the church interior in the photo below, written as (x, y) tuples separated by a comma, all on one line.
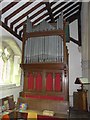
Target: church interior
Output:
[(44, 59)]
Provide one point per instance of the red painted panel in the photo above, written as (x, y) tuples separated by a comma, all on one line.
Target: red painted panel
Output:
[(38, 82), (49, 82), (58, 80), (30, 81)]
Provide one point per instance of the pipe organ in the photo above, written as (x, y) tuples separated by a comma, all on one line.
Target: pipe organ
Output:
[(44, 48), (45, 64)]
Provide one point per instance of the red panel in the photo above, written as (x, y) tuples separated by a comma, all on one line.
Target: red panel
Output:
[(58, 82), (45, 97), (38, 82), (49, 82), (43, 117), (30, 82)]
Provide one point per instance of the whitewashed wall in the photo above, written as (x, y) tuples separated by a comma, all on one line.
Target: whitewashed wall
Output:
[(85, 23), (6, 91), (75, 69)]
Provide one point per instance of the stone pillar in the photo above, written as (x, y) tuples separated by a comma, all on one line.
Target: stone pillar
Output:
[(85, 29)]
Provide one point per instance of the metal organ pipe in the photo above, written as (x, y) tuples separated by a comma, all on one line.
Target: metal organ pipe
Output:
[(46, 48)]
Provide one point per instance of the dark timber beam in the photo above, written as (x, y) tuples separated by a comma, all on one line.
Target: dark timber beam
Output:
[(79, 26), (25, 14), (9, 6), (20, 32), (37, 20), (48, 6), (10, 30), (37, 13), (72, 11), (73, 17), (75, 41), (16, 11), (68, 9), (59, 5), (79, 30), (61, 9), (64, 7)]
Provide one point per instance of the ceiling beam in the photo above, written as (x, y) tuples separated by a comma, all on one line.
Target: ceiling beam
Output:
[(59, 5), (64, 7), (48, 6), (25, 14), (9, 6), (20, 32), (72, 11), (36, 14), (40, 18), (10, 30), (70, 8), (61, 9), (37, 20), (17, 11), (73, 17)]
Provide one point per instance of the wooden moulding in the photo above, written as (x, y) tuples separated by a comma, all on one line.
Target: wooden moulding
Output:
[(49, 66), (45, 33)]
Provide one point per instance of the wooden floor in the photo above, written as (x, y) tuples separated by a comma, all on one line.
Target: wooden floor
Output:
[(79, 115), (73, 115)]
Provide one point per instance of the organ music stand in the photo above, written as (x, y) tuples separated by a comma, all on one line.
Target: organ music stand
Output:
[(82, 81), (80, 97)]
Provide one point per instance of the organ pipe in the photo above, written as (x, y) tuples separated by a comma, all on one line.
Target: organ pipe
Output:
[(46, 48)]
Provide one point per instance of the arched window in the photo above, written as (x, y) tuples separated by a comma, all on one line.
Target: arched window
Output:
[(10, 59)]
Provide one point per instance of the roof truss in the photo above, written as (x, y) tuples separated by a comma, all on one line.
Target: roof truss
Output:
[(51, 11)]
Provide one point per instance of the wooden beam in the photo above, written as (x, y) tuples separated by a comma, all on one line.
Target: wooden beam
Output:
[(79, 25), (67, 10), (48, 6), (44, 33), (25, 14), (79, 30), (37, 13), (58, 6), (37, 20), (59, 66), (9, 6), (10, 30), (20, 32), (75, 41), (72, 11), (16, 11), (64, 7), (17, 27), (60, 10), (73, 17)]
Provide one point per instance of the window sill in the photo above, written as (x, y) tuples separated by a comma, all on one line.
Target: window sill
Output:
[(5, 87)]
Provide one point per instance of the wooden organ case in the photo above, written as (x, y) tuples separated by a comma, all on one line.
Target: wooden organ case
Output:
[(45, 67)]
